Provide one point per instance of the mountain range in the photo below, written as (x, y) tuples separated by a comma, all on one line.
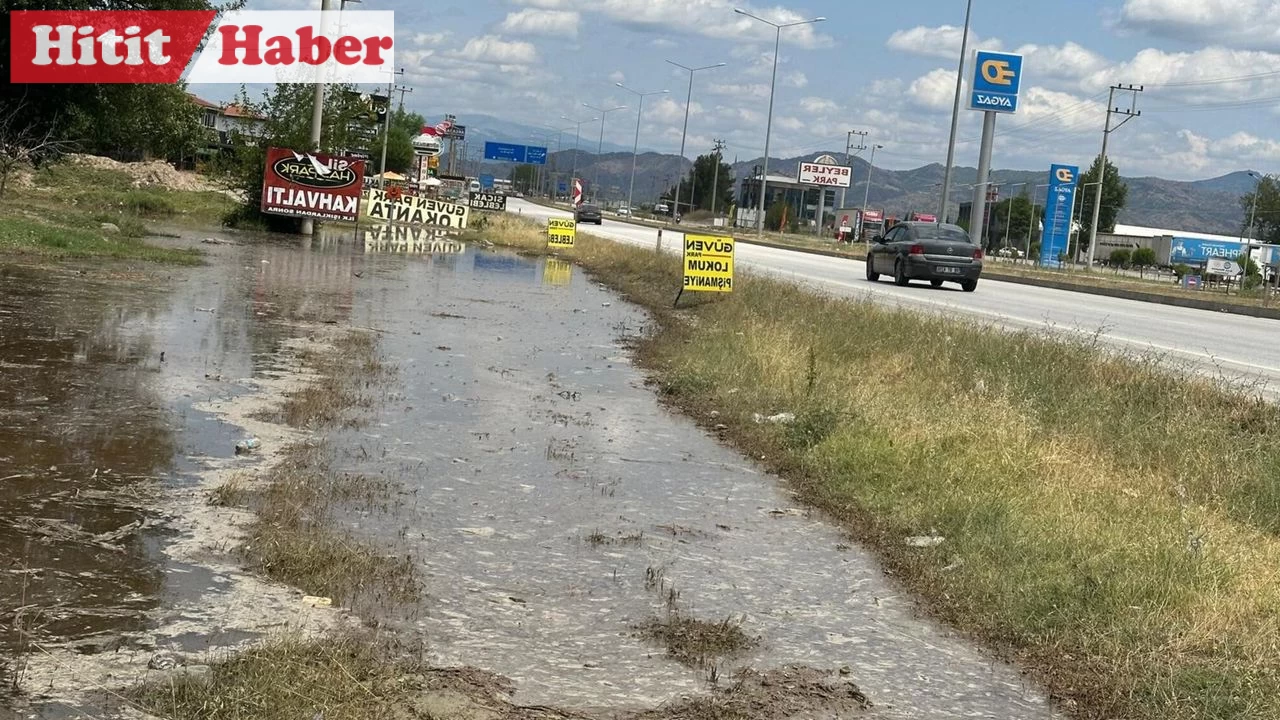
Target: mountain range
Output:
[(1208, 206)]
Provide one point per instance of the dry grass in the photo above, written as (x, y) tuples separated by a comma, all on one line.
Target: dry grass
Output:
[(348, 676), (697, 643), (1117, 523), (347, 376)]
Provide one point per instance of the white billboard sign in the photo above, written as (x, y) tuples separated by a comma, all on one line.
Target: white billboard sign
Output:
[(825, 175)]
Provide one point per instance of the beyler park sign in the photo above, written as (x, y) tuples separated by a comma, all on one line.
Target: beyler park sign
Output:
[(812, 173)]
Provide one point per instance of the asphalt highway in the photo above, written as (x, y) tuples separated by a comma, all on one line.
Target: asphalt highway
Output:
[(1215, 343)]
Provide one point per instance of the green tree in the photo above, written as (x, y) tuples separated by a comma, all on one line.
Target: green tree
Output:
[(1119, 258), (705, 184), (1267, 214), (1143, 258), (400, 158), (1114, 195), (524, 177), (125, 121), (1024, 216)]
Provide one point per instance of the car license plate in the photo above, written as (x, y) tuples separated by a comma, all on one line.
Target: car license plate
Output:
[(948, 270)]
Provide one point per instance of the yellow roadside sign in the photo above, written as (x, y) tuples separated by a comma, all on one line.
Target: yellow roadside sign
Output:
[(556, 272), (708, 263), (560, 232)]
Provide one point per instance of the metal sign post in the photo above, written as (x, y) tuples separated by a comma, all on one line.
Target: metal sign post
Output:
[(997, 78)]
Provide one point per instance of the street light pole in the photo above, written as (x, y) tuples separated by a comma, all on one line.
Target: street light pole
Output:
[(866, 195), (955, 114), (675, 207), (595, 181), (768, 129), (636, 148), (577, 137)]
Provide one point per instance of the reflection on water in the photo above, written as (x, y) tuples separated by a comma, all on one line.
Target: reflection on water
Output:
[(412, 240), (557, 272)]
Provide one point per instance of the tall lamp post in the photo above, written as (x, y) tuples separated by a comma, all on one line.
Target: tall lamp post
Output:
[(577, 136), (866, 194), (768, 129), (955, 114), (604, 113), (635, 150), (675, 207)]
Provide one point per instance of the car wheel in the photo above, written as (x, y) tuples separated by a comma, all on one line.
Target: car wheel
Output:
[(900, 274), (968, 285), (872, 276), (936, 283)]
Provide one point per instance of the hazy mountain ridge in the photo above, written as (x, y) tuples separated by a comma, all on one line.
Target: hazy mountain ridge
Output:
[(1211, 205)]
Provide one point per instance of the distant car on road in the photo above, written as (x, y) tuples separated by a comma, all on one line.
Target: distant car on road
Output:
[(661, 208), (936, 252), (624, 212), (588, 214)]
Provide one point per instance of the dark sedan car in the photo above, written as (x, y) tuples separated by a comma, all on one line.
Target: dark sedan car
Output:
[(936, 252), (588, 214)]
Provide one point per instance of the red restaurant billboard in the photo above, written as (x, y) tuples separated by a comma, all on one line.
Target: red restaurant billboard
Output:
[(314, 185)]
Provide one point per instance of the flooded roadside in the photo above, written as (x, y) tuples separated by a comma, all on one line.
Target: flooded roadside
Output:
[(554, 506)]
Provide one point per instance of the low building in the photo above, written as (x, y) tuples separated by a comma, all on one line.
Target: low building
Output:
[(223, 121)]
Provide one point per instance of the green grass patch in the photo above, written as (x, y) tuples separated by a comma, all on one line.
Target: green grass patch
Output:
[(27, 236), (1108, 520)]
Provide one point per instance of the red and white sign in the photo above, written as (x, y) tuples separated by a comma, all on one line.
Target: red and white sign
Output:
[(826, 175), (245, 46), (924, 217), (872, 216), (577, 191), (325, 187)]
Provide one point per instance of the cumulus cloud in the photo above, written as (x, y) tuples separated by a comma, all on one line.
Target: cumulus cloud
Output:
[(494, 50), (533, 21), (934, 90), (817, 105), (709, 18), (1253, 24), (942, 41)]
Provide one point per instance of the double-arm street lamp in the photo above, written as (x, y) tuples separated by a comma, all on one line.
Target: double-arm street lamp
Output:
[(768, 129), (604, 113), (635, 150), (688, 100)]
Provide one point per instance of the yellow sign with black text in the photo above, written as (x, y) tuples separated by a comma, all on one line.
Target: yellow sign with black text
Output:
[(561, 232), (556, 272), (708, 263)]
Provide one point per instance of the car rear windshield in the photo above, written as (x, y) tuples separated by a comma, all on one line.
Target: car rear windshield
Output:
[(936, 232), (589, 208)]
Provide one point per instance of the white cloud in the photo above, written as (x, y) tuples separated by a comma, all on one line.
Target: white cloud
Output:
[(431, 38), (745, 91), (1195, 76), (934, 90), (816, 105), (1240, 23), (795, 79), (533, 21), (1061, 61), (497, 51), (709, 18), (617, 76), (942, 41)]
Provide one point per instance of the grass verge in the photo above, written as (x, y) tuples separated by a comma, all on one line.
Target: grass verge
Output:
[(1111, 522), (60, 214), (296, 537)]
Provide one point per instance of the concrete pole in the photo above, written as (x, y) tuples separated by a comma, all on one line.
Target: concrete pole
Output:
[(978, 219), (768, 130), (1102, 178), (317, 119), (955, 115)]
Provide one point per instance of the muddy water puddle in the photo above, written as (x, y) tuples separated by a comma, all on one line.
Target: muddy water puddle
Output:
[(100, 373), (554, 504), (557, 506)]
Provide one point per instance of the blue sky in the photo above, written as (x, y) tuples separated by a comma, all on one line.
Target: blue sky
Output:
[(1212, 70)]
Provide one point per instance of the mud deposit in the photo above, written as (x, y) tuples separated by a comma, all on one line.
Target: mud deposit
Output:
[(556, 509)]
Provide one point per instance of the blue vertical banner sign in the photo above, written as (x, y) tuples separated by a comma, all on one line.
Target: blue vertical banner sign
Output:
[(1057, 214)]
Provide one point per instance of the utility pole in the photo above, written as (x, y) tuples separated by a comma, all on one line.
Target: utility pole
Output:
[(402, 90), (1107, 129), (715, 182), (386, 130), (862, 145), (317, 111)]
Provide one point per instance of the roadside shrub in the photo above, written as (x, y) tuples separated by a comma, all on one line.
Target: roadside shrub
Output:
[(1181, 270), (1119, 258), (149, 203)]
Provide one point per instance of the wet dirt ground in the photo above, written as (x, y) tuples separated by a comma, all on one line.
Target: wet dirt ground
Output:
[(553, 503)]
